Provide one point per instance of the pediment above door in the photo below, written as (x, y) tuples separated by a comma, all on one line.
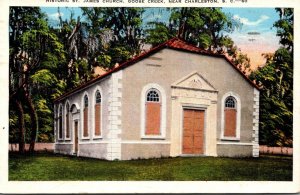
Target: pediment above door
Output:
[(194, 81)]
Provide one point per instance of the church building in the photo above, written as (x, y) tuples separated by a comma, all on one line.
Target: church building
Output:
[(174, 100)]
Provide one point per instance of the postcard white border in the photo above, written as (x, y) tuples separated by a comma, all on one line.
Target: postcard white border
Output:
[(144, 186)]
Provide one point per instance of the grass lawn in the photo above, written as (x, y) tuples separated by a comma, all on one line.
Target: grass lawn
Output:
[(51, 167)]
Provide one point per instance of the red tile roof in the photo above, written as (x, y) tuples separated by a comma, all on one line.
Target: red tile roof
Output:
[(174, 43)]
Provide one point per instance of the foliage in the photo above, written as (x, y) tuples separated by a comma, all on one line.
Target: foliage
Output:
[(276, 81), (239, 59), (13, 126), (36, 56), (115, 33), (71, 34), (204, 27), (46, 61), (157, 33), (125, 24), (49, 167), (44, 77), (45, 120)]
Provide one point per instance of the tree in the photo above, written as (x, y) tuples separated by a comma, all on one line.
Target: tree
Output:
[(239, 59), (33, 48), (276, 81), (204, 27), (158, 32), (71, 33), (97, 37), (117, 31), (126, 24)]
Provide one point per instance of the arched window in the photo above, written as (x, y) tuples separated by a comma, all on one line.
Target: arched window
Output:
[(86, 116), (67, 120), (230, 117), (60, 123), (153, 112), (97, 113)]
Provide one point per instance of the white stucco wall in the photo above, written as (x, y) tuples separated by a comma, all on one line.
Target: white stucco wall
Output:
[(122, 108), (87, 146)]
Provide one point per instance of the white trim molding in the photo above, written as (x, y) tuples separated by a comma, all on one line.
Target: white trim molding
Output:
[(236, 143), (238, 116), (65, 124), (255, 134), (60, 106), (145, 142), (99, 141), (194, 81), (162, 92), (125, 142), (114, 116), (82, 117), (93, 112), (64, 143)]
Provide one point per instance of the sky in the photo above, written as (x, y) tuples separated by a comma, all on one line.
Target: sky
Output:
[(255, 20), (259, 20)]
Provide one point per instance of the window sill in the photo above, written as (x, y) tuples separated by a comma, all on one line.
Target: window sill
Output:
[(156, 137), (230, 139), (85, 138), (97, 138)]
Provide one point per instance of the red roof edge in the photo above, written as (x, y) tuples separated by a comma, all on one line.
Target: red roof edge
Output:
[(204, 52), (170, 44), (121, 66)]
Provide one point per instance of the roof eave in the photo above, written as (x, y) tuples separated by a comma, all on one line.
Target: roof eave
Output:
[(149, 53), (121, 66)]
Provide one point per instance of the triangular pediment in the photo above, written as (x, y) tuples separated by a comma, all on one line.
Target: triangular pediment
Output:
[(194, 81)]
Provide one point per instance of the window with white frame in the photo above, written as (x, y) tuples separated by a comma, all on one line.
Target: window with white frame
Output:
[(97, 114), (153, 112), (86, 116), (231, 117), (67, 120), (230, 114), (60, 125)]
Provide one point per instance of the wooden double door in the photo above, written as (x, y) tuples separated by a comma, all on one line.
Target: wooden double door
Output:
[(193, 131)]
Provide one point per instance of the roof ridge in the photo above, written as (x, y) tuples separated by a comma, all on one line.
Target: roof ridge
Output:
[(170, 44)]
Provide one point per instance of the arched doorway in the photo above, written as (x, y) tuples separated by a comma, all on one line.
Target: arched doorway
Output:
[(75, 110)]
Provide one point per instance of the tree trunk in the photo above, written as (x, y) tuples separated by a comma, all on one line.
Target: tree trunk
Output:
[(21, 127), (34, 123), (182, 24)]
